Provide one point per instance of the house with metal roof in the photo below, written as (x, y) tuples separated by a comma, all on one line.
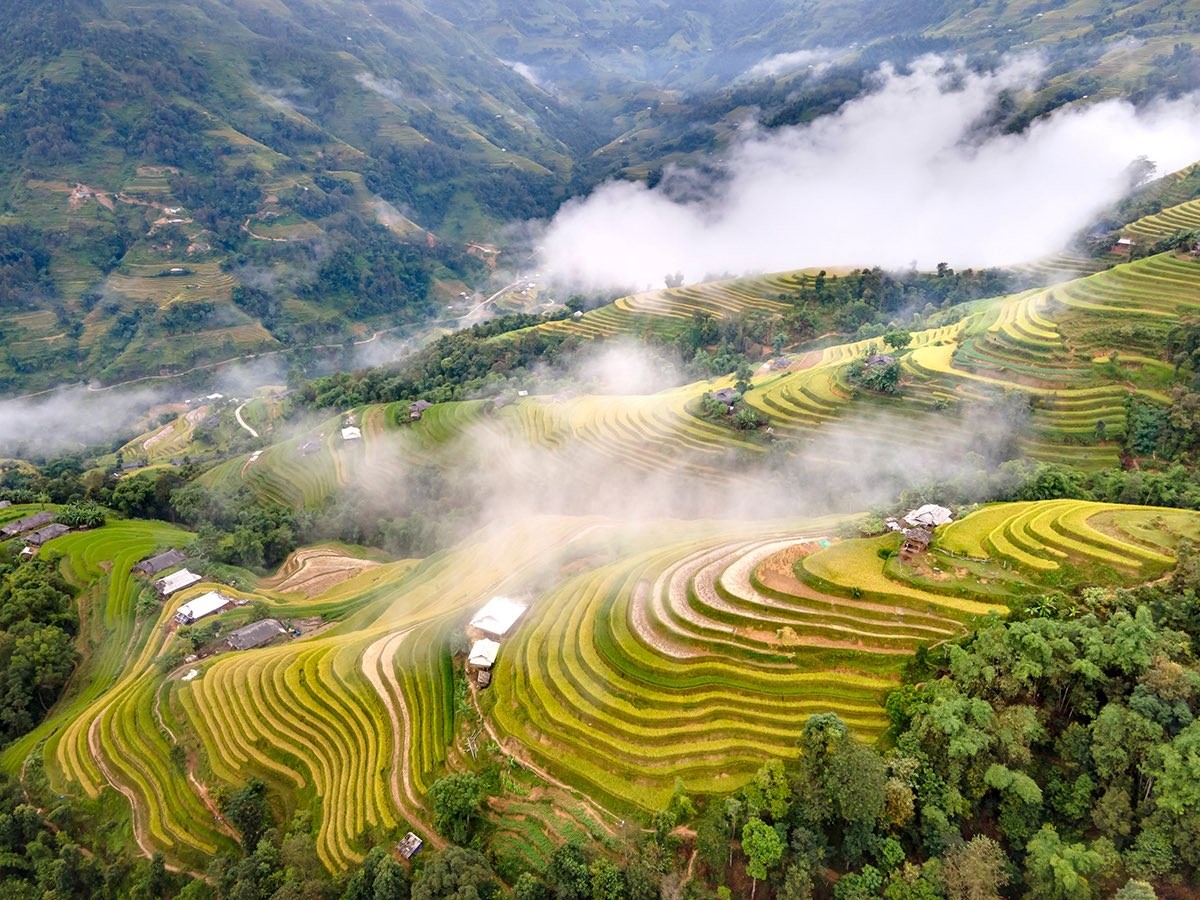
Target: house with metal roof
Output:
[(154, 564), (255, 634), (176, 581), (199, 607), (497, 616)]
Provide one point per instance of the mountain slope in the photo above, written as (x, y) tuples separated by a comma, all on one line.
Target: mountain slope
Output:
[(247, 176)]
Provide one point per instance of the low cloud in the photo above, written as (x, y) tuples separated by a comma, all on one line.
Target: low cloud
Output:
[(785, 63), (69, 419), (530, 74), (908, 171)]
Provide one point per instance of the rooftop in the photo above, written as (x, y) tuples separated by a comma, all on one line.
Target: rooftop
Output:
[(199, 607), (48, 533), (483, 654), (20, 526), (155, 564), (176, 581), (930, 516), (498, 616), (255, 634)]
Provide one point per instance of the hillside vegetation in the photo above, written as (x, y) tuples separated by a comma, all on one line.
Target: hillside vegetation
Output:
[(678, 653)]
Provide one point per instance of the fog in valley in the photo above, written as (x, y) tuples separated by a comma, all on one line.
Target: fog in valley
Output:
[(909, 172)]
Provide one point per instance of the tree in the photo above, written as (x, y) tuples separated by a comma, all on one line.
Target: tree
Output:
[(1135, 890), (378, 877), (1057, 870), (456, 801), (897, 339), (455, 874), (607, 881), (1177, 772), (742, 376), (568, 873), (976, 870), (247, 809), (763, 848), (528, 887)]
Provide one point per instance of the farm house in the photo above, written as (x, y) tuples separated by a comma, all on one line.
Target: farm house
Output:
[(916, 542), (416, 409), (199, 607), (928, 516), (155, 564), (498, 616), (255, 634), (29, 523), (481, 659), (176, 581), (48, 533), (351, 433)]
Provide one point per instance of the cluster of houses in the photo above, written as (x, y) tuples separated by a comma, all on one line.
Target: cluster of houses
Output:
[(918, 526), (35, 530), (486, 628), (207, 604)]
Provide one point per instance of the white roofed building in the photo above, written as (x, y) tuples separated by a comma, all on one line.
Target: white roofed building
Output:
[(928, 516), (199, 607), (351, 433), (176, 581), (483, 654), (498, 616)]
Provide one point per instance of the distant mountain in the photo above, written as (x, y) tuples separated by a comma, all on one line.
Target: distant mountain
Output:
[(187, 182)]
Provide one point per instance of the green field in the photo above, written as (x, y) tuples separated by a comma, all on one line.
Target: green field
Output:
[(650, 652)]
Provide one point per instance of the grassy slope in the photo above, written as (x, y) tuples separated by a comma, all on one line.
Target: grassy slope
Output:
[(1053, 345), (651, 652)]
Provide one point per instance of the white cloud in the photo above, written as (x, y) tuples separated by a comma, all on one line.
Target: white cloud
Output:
[(783, 63), (530, 74), (901, 173)]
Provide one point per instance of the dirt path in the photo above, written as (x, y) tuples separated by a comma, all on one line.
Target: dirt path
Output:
[(377, 665), (479, 306), (198, 786), (237, 414), (260, 237), (138, 827), (598, 812)]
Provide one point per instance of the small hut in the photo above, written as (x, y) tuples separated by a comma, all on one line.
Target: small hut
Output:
[(724, 395), (29, 523), (415, 410), (199, 607), (916, 542), (410, 846), (481, 659), (176, 581), (497, 616)]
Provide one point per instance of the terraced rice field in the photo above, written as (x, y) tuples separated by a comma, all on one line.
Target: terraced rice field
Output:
[(650, 652), (718, 654), (1049, 535), (668, 310), (143, 282)]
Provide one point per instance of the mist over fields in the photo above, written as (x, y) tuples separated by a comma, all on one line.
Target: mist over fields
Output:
[(910, 172)]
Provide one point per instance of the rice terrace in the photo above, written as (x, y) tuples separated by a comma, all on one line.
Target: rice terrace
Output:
[(454, 451)]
